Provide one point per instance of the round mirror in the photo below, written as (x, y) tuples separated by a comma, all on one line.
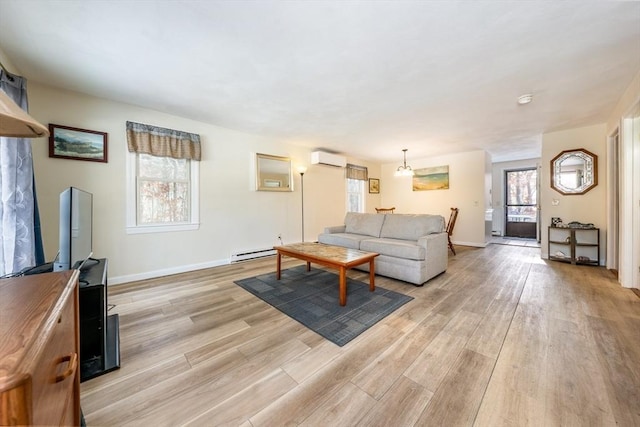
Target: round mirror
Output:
[(574, 172)]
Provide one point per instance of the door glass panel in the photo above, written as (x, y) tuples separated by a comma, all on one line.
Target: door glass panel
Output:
[(521, 213), (521, 187)]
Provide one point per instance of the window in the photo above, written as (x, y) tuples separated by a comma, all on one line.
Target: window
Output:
[(357, 176), (162, 188), (355, 195), (162, 194)]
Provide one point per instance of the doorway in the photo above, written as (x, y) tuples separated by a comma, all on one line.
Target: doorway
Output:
[(521, 200), (613, 202)]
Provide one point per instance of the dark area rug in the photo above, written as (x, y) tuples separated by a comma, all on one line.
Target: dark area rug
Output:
[(311, 298)]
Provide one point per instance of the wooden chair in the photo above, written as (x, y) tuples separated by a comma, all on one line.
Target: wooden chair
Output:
[(450, 225), (385, 210)]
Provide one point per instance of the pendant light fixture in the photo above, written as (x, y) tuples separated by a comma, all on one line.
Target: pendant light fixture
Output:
[(404, 170)]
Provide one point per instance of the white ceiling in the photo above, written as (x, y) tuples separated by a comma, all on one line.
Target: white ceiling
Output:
[(363, 78)]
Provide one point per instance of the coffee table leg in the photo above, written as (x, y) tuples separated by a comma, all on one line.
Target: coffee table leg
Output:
[(278, 264), (372, 275), (343, 286), (308, 266)]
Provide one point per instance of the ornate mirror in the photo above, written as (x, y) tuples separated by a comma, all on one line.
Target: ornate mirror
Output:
[(574, 172), (273, 173)]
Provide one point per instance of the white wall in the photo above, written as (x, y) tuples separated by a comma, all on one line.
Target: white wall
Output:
[(325, 196), (586, 208), (498, 189), (467, 191), (628, 99), (232, 216)]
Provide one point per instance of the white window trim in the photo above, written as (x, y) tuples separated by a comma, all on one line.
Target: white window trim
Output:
[(131, 202)]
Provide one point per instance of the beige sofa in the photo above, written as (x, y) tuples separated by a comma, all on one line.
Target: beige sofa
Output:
[(412, 248)]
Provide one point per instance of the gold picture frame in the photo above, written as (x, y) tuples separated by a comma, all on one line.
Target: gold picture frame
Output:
[(374, 185)]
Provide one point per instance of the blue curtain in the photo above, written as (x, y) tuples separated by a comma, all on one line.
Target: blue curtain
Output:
[(21, 236)]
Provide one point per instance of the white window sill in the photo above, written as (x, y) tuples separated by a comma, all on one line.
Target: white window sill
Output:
[(161, 228)]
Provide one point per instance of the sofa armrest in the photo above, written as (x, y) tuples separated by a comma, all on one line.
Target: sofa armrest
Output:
[(433, 240), (335, 229)]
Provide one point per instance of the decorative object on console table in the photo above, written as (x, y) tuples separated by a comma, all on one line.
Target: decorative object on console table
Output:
[(99, 332), (574, 245), (555, 221), (78, 144)]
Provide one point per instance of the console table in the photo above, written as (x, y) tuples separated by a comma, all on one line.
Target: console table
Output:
[(577, 245)]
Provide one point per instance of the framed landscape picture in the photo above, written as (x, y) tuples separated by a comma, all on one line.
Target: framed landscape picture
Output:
[(433, 178), (374, 185), (78, 144)]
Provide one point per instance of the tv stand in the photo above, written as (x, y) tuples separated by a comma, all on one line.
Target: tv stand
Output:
[(99, 332)]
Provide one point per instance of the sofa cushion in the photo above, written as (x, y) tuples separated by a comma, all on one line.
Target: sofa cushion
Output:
[(362, 223), (394, 247), (346, 240), (411, 227)]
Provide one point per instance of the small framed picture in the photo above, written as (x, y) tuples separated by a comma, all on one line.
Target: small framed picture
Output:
[(374, 185), (78, 144)]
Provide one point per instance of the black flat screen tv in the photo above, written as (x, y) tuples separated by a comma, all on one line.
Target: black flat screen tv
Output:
[(76, 228)]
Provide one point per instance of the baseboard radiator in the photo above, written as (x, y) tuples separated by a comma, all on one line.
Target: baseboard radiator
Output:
[(251, 254)]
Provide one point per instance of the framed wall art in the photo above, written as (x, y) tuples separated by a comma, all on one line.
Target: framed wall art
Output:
[(77, 144), (433, 178), (374, 185)]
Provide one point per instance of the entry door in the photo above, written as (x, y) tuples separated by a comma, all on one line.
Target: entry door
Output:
[(521, 213)]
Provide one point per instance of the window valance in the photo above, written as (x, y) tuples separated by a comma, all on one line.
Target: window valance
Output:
[(357, 172), (162, 142)]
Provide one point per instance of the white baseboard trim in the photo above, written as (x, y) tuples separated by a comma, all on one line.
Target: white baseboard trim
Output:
[(473, 244), (118, 280)]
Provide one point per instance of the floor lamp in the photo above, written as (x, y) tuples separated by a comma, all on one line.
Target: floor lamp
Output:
[(301, 171)]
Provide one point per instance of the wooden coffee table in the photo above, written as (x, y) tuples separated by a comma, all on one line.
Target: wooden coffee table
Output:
[(330, 256)]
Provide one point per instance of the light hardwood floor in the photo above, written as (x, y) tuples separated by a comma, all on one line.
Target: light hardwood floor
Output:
[(502, 338)]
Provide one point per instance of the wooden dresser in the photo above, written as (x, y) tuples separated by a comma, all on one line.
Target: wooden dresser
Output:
[(39, 345)]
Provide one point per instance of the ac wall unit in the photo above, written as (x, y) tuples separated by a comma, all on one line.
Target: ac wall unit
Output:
[(322, 158)]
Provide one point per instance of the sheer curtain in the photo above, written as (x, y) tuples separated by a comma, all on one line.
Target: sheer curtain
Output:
[(18, 208)]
